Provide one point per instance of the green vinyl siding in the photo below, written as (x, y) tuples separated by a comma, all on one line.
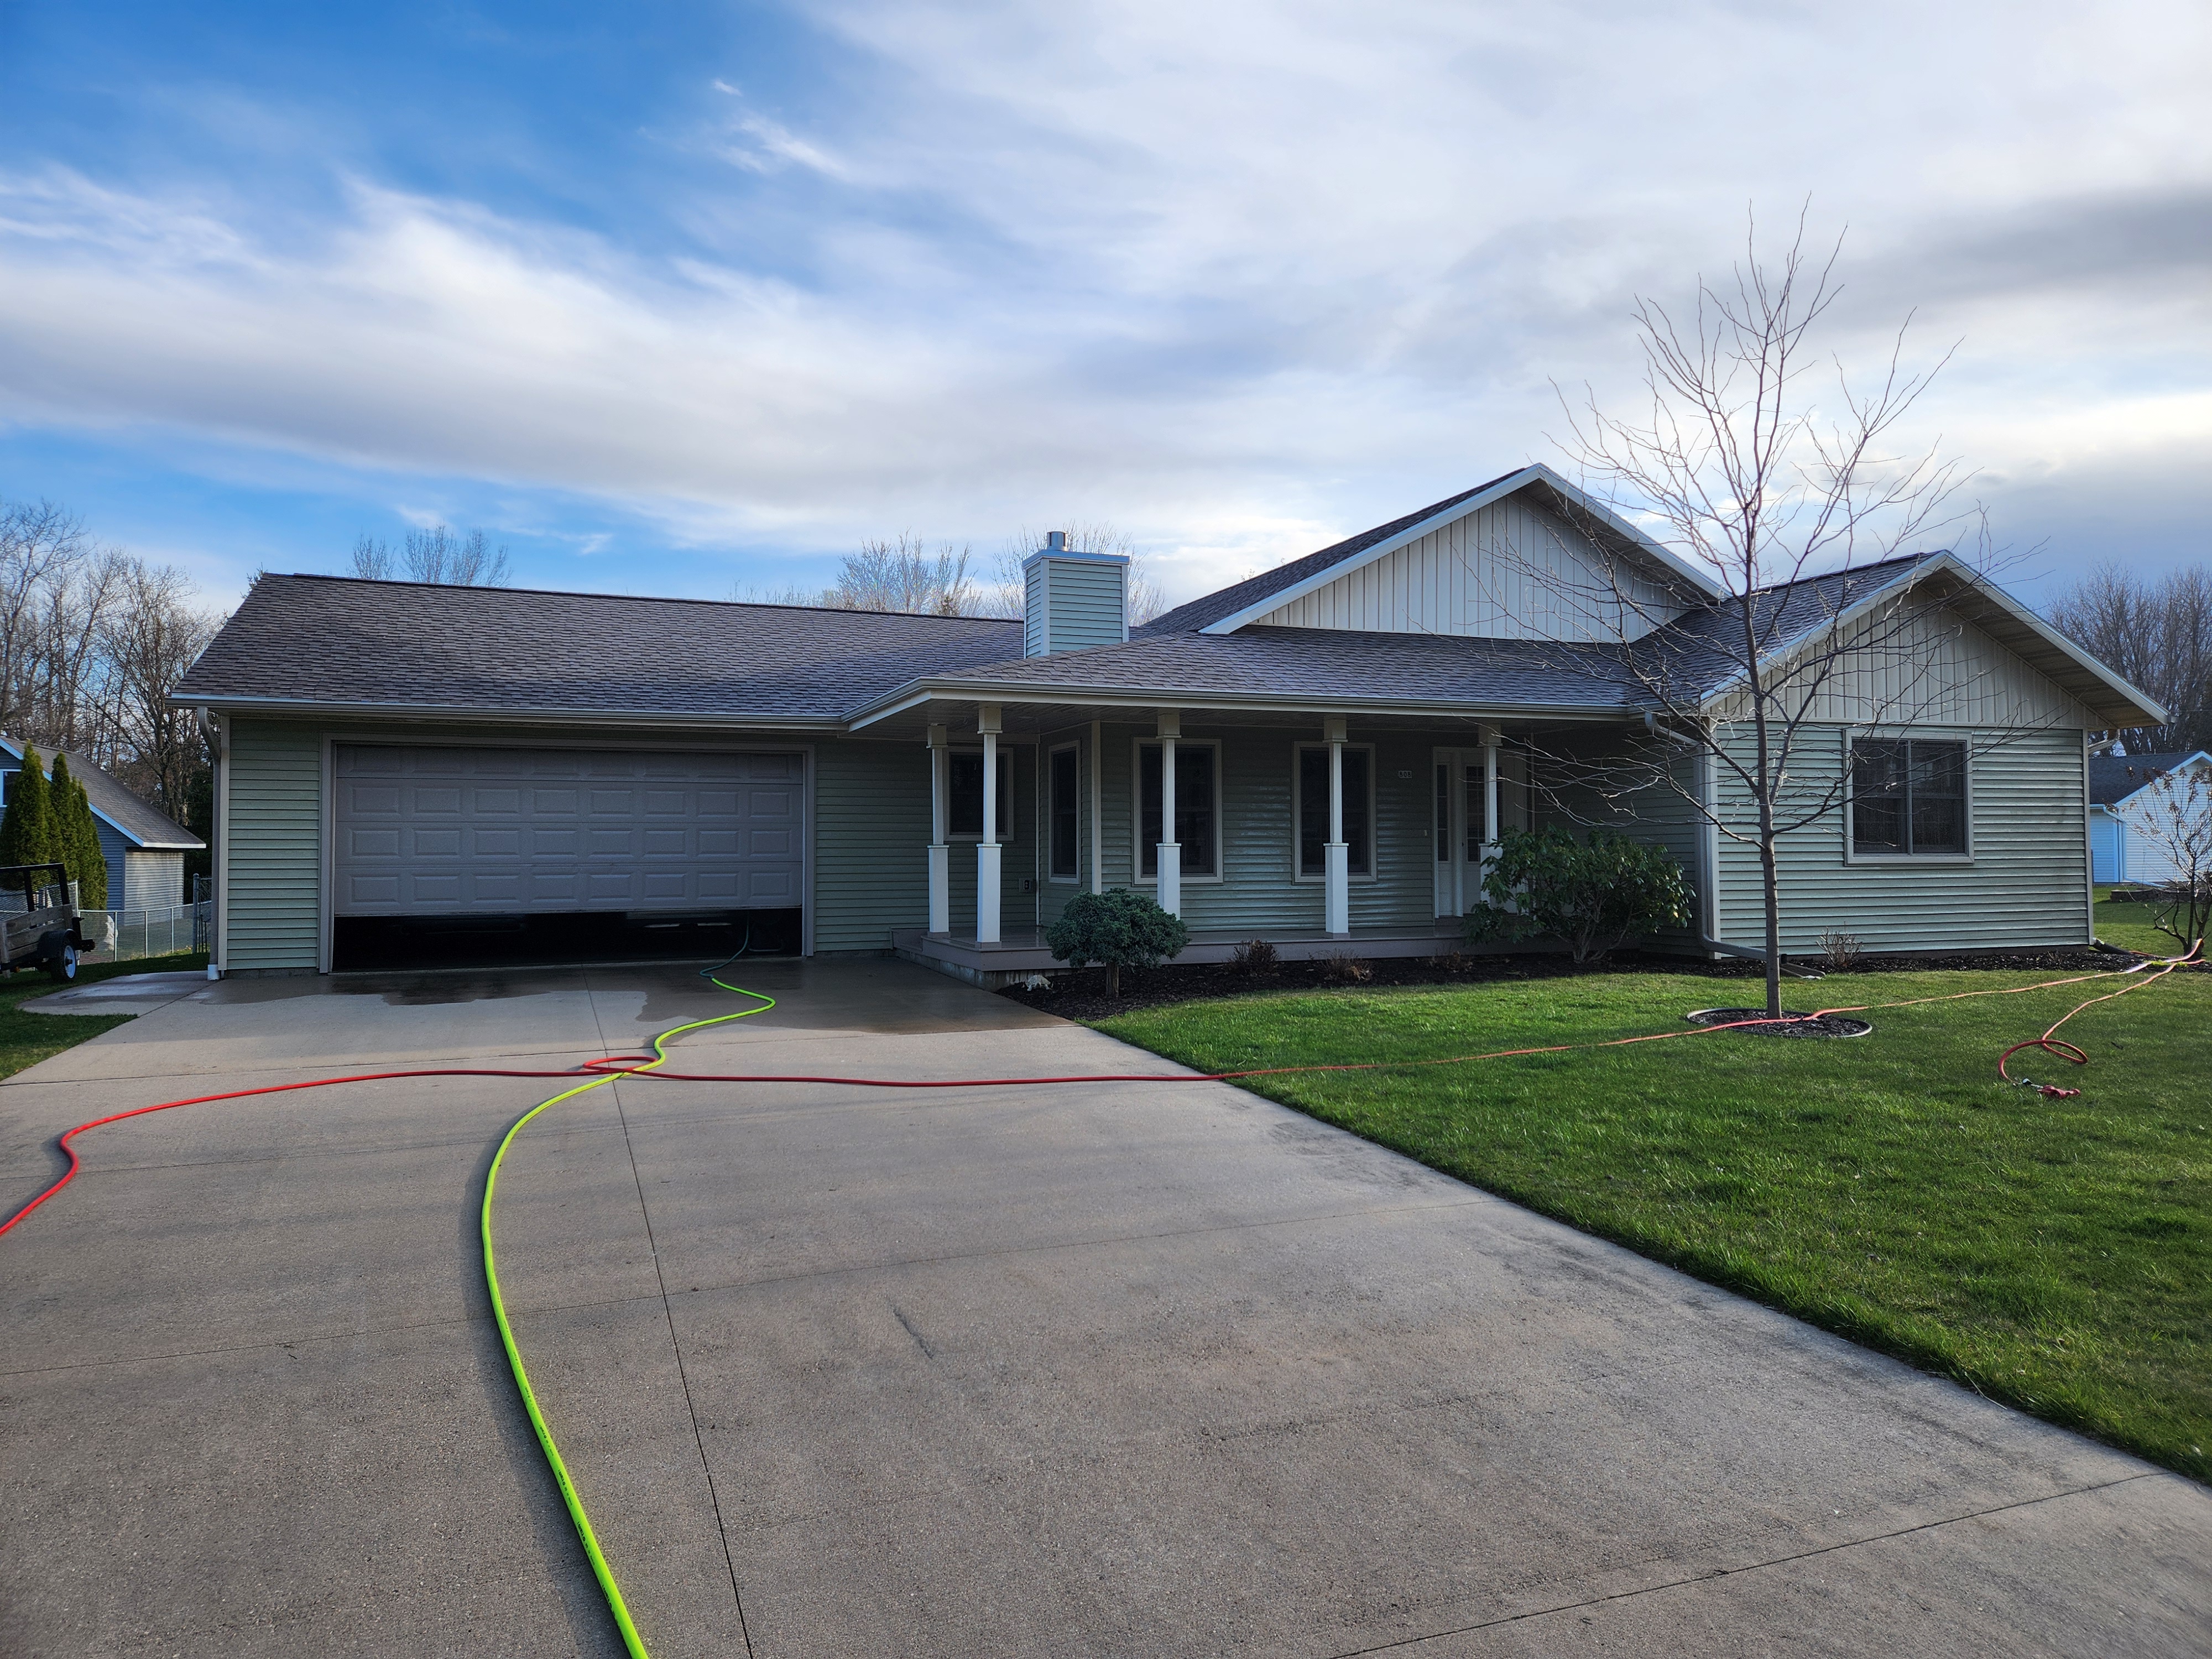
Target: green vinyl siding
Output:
[(2026, 885), (872, 845), (1257, 892), (1580, 787), (273, 910)]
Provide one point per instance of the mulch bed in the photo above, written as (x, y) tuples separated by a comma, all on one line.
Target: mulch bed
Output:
[(1801, 1022), (1083, 996)]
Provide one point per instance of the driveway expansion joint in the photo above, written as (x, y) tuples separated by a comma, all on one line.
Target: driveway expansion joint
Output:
[(1709, 1575)]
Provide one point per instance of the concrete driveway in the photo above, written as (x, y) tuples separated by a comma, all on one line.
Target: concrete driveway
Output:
[(1078, 1369)]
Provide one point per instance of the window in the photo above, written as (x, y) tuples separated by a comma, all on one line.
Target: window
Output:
[(1065, 864), (1313, 810), (1197, 819), (1908, 797), (1443, 814), (963, 806)]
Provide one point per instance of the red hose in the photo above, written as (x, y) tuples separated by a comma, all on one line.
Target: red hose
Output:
[(628, 1064)]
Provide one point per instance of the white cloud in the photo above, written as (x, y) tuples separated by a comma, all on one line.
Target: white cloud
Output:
[(1242, 277)]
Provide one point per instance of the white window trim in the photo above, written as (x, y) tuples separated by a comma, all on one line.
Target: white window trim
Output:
[(1297, 817), (974, 837), (1853, 734), (1137, 747), (1045, 837)]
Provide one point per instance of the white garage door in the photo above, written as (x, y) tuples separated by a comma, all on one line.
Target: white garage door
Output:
[(425, 831)]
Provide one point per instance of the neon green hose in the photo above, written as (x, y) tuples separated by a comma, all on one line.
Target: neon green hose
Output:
[(632, 1642)]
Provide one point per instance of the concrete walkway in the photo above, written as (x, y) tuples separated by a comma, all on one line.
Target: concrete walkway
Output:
[(1080, 1370)]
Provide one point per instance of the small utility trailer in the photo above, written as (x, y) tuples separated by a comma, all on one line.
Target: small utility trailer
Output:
[(38, 922)]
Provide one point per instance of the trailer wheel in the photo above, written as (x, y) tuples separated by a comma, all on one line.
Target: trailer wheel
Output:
[(60, 954)]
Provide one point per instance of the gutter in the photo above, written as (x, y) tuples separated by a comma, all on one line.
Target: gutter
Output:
[(922, 692), (659, 719)]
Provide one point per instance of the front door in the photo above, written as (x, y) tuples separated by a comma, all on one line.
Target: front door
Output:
[(1460, 806)]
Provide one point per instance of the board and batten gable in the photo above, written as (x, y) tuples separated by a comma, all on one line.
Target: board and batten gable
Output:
[(1510, 570), (1923, 664)]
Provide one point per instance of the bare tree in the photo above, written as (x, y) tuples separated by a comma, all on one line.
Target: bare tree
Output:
[(1007, 594), (1785, 500), (149, 639), (92, 641), (2174, 816), (438, 555), (906, 575), (2156, 635)]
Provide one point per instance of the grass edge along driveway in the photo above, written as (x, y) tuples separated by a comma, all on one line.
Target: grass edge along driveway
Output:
[(2054, 1255), (26, 1039)]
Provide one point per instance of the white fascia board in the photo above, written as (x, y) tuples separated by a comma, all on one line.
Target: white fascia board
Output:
[(1941, 563), (1511, 484), (2181, 765), (454, 712), (1108, 696)]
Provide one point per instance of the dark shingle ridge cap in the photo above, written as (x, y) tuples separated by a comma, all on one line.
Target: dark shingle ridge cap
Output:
[(634, 599), (1227, 601)]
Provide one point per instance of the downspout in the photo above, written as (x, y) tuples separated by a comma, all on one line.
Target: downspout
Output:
[(1708, 901), (218, 737)]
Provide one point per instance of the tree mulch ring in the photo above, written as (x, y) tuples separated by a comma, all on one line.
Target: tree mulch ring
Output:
[(1793, 1023)]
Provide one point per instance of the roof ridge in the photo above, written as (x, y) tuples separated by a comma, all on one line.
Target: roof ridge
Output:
[(633, 599)]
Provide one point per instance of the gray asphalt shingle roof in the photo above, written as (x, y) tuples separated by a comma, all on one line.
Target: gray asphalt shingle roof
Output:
[(2114, 778), (139, 820), (1703, 649), (334, 640), (1329, 663)]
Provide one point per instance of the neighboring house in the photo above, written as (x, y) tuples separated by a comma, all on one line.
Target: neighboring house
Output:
[(2120, 851), (395, 755), (144, 851)]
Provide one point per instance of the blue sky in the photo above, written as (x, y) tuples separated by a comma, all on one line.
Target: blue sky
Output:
[(688, 298)]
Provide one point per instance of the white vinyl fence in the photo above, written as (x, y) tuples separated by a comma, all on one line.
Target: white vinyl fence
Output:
[(124, 935)]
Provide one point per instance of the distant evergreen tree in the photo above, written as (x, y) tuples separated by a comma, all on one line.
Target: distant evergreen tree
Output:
[(76, 836), (26, 827)]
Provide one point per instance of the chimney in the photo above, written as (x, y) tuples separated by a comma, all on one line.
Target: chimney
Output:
[(1072, 599)]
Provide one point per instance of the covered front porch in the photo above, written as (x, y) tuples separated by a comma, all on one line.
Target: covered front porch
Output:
[(1023, 951), (1320, 833)]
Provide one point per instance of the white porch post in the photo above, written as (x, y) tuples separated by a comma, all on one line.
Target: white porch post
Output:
[(1097, 815), (1169, 851), (941, 855), (1489, 825), (987, 850), (1336, 854)]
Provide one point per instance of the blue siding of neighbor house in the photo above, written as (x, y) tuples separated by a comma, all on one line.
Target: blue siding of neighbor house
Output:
[(114, 849), (2108, 846), (2027, 884)]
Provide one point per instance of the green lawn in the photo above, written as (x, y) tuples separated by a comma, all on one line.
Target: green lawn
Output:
[(2053, 1253), (2128, 927), (26, 1039)]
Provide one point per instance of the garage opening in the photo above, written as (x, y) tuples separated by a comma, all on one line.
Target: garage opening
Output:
[(500, 857)]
